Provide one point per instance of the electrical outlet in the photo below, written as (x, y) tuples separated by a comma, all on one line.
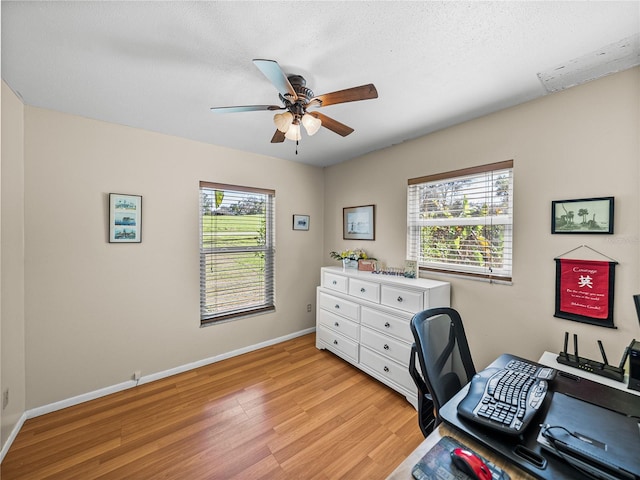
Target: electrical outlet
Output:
[(136, 375), (308, 307), (5, 398)]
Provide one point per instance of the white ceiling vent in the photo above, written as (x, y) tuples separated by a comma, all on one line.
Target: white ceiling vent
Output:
[(612, 58)]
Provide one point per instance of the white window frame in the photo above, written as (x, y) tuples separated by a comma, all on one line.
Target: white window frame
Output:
[(488, 268), (251, 288)]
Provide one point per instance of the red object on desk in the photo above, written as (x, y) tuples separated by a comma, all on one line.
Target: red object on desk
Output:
[(470, 464)]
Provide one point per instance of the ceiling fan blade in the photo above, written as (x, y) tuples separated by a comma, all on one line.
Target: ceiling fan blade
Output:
[(278, 137), (331, 124), (363, 92), (275, 75), (246, 108)]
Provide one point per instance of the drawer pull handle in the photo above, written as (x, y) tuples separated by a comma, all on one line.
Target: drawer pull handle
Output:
[(400, 299), (334, 282), (386, 347), (337, 306), (362, 290), (386, 369), (336, 324), (335, 342), (387, 324)]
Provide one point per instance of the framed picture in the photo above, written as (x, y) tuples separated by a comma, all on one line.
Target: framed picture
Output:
[(125, 218), (411, 268), (358, 223), (367, 265), (301, 222), (586, 215)]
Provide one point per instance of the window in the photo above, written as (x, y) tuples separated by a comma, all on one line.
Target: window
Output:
[(461, 222), (236, 251)]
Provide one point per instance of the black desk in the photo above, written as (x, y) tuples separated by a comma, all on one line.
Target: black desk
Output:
[(516, 448), (403, 471)]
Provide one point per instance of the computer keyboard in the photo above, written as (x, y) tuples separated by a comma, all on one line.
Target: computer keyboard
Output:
[(506, 399)]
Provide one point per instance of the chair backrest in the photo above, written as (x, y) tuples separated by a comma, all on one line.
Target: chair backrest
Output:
[(443, 355)]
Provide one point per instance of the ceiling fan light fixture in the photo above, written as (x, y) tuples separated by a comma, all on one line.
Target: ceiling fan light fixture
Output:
[(294, 132), (297, 98), (283, 121), (311, 124)]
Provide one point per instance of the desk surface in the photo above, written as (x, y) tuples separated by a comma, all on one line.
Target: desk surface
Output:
[(403, 471)]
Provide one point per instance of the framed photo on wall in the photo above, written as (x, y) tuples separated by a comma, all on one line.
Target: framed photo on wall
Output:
[(585, 215), (125, 218), (301, 222), (358, 223)]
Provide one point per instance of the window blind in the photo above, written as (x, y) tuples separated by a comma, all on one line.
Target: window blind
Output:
[(237, 251), (462, 221)]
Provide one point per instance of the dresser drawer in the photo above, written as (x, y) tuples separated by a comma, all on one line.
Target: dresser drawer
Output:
[(385, 345), (338, 343), (339, 306), (339, 324), (365, 320), (407, 300), (335, 282), (365, 290), (387, 368), (383, 322)]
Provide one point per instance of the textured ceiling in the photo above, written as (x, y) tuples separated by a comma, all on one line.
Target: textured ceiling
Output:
[(160, 66)]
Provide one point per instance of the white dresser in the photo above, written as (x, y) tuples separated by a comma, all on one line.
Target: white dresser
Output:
[(364, 318)]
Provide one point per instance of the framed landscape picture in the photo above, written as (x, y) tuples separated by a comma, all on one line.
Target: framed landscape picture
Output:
[(586, 215), (358, 223), (125, 218)]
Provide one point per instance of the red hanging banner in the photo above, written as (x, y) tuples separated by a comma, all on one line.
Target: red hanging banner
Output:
[(584, 291)]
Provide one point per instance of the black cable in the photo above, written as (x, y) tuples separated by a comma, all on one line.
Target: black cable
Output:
[(553, 440), (549, 436)]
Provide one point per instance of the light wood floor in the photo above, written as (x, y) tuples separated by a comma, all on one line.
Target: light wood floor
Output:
[(288, 411)]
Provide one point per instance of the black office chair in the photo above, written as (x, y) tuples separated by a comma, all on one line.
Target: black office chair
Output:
[(444, 360)]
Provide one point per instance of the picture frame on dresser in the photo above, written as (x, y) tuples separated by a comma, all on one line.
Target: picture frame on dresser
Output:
[(359, 223)]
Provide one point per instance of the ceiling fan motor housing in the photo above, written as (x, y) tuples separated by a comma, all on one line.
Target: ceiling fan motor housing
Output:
[(299, 83)]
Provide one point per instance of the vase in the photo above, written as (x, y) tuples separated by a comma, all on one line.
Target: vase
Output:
[(347, 263)]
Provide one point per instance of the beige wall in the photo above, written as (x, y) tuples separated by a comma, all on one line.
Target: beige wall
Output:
[(580, 143), (96, 312), (12, 345)]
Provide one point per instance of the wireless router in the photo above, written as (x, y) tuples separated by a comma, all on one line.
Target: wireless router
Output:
[(593, 366)]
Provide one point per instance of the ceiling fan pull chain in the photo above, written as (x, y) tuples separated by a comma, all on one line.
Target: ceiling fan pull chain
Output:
[(296, 147)]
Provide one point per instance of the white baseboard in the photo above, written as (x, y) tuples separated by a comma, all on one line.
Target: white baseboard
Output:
[(85, 397), (222, 356), (12, 436)]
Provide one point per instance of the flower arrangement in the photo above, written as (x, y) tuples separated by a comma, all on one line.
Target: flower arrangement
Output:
[(356, 254)]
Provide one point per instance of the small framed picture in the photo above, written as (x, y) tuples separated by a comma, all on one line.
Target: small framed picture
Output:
[(125, 218), (367, 265), (358, 223), (585, 215), (301, 222), (410, 268)]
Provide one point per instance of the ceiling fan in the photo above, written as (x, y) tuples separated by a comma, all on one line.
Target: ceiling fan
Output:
[(297, 98)]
